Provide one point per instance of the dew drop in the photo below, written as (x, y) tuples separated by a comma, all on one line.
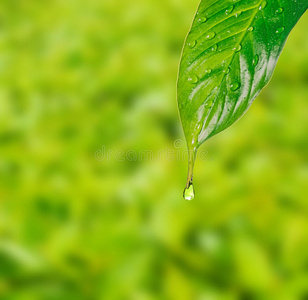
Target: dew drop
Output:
[(279, 10), (279, 30), (263, 4), (215, 47), (202, 19), (238, 14), (208, 71), (211, 35), (229, 9), (192, 44), (238, 48), (227, 71), (255, 60), (193, 79), (250, 28), (234, 86), (209, 104), (189, 193)]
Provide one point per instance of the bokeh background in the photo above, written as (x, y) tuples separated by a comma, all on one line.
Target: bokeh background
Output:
[(82, 78)]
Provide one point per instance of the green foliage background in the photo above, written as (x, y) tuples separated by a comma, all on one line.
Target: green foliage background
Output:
[(80, 79)]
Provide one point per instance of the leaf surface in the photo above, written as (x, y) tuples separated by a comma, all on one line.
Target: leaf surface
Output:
[(228, 57)]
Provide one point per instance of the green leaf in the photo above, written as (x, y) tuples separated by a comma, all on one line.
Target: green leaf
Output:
[(229, 55)]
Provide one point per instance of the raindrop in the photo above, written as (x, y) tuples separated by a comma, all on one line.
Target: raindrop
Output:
[(234, 86), (202, 19), (229, 9), (193, 79), (189, 193), (279, 10), (250, 28), (279, 30), (208, 71), (238, 14), (192, 44), (263, 4), (215, 47), (211, 35), (255, 60), (209, 104), (227, 71), (238, 48)]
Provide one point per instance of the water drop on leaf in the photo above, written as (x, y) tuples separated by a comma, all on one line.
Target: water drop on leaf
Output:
[(279, 30), (279, 10), (227, 71), (214, 48), (192, 44), (210, 35), (250, 28), (238, 48), (229, 9), (193, 79), (263, 5), (234, 86), (202, 19), (255, 60)]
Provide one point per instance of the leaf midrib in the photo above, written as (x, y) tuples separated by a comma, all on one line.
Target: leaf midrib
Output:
[(232, 58)]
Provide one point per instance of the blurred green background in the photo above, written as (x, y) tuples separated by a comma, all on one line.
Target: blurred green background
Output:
[(82, 78)]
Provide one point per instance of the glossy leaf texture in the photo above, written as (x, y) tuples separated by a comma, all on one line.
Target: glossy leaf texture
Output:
[(229, 55)]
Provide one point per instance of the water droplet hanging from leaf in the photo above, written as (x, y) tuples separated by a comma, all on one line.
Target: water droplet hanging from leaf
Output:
[(189, 193)]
